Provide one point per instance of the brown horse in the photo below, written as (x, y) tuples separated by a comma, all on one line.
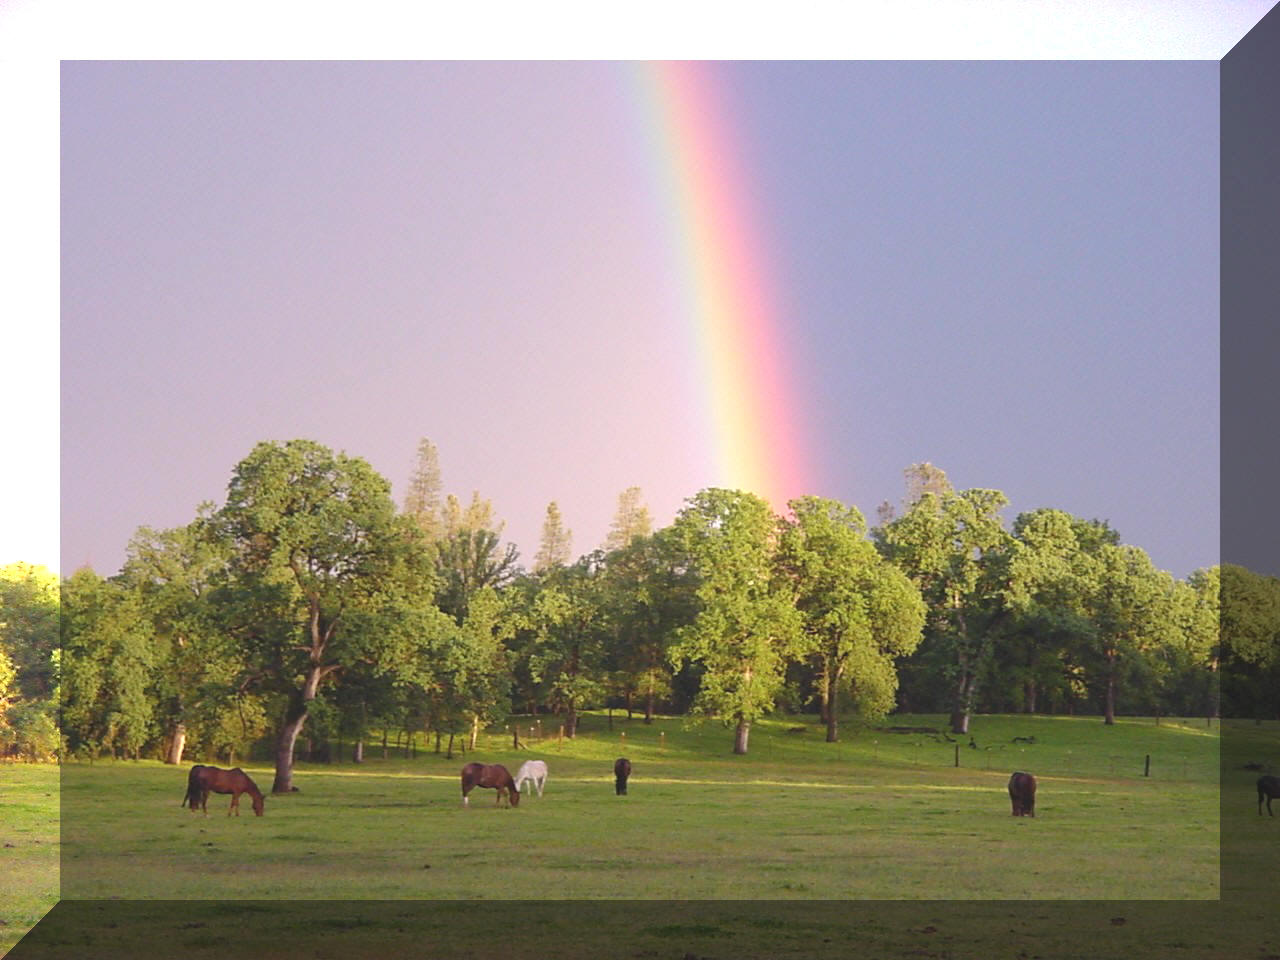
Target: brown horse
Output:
[(493, 775), (1268, 787), (205, 780), (1022, 791), (621, 770)]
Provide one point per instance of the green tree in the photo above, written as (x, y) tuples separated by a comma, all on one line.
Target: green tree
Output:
[(943, 543), (1047, 579), (630, 520), (29, 609), (323, 575), (1133, 609), (422, 501), (198, 663), (858, 613), (556, 544), (470, 556), (29, 627), (108, 662), (567, 657), (648, 596), (746, 629)]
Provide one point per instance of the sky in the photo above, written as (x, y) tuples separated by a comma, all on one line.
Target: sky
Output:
[(1007, 269)]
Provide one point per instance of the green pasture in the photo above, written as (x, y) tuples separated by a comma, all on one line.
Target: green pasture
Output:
[(28, 847), (881, 815)]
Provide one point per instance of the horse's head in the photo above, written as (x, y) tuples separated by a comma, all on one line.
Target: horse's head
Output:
[(513, 794), (258, 803)]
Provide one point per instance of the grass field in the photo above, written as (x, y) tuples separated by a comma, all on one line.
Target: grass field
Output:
[(879, 816), (28, 847)]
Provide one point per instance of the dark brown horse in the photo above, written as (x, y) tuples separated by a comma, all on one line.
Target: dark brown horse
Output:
[(205, 780), (1269, 788), (1022, 791), (493, 775), (621, 770)]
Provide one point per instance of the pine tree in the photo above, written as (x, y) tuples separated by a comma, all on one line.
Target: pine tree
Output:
[(422, 502), (629, 522), (556, 542)]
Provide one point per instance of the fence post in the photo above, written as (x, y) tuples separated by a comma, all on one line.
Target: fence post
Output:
[(957, 754), (1146, 770)]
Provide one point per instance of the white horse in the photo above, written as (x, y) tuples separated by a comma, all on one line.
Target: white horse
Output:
[(534, 771)]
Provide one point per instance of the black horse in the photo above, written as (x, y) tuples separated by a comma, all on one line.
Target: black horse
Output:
[(1022, 791), (493, 775), (1268, 789), (621, 770)]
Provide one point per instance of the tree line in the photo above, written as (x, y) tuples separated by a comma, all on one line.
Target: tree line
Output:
[(309, 601)]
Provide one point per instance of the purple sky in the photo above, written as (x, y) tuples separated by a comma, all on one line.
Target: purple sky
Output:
[(1008, 269)]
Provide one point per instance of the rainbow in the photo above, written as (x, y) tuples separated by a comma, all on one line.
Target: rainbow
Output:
[(727, 286)]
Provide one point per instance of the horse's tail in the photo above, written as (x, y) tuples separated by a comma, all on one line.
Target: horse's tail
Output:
[(193, 788)]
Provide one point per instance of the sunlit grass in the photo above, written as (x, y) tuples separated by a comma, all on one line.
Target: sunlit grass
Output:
[(876, 816)]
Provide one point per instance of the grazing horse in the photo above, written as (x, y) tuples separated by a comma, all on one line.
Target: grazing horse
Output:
[(1268, 787), (535, 773), (621, 770), (1022, 791), (202, 781), (493, 775)]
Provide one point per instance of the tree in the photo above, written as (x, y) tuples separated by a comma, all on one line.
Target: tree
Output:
[(29, 627), (323, 574), (469, 557), (1046, 580), (567, 657), (1250, 642), (556, 542), (174, 572), (942, 543), (29, 609), (1132, 608), (648, 596), (108, 661), (746, 628), (857, 612), (422, 501), (631, 520), (922, 478)]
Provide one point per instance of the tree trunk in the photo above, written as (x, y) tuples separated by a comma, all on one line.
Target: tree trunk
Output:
[(1029, 705), (961, 710), (295, 716), (1109, 707), (571, 721), (475, 731), (449, 754), (384, 744), (176, 744), (648, 704), (358, 756), (830, 705), (740, 737)]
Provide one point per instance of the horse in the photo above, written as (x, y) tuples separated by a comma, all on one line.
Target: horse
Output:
[(621, 770), (1268, 787), (1022, 791), (535, 773), (490, 775), (202, 780)]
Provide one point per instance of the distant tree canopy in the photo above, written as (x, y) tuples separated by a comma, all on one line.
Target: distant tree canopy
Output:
[(307, 603)]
